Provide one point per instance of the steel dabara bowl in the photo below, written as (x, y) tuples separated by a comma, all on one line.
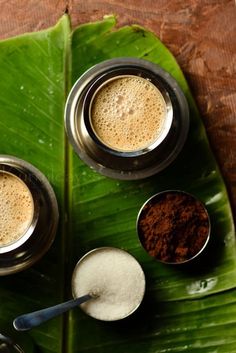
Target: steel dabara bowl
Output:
[(154, 200), (38, 238), (92, 253), (118, 164)]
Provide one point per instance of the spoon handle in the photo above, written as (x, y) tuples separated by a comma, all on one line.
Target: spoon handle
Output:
[(28, 321)]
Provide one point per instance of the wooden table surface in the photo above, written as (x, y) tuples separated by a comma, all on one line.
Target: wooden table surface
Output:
[(200, 33)]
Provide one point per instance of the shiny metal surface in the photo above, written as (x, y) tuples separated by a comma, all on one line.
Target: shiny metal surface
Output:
[(126, 165), (31, 246), (7, 345)]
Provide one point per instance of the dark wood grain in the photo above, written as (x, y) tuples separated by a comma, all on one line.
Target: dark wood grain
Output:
[(200, 33)]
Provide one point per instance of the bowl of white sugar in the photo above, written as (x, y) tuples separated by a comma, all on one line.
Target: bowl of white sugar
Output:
[(116, 280)]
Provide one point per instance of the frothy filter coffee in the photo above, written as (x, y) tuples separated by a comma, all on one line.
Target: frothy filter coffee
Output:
[(128, 113), (16, 208)]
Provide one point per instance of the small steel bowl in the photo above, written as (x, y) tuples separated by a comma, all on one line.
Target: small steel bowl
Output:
[(91, 253), (154, 200), (118, 164), (37, 239), (8, 345)]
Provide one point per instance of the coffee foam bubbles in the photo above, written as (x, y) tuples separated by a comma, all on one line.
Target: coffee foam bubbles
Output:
[(128, 113), (16, 208)]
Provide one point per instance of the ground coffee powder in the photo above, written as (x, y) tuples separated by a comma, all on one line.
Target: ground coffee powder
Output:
[(173, 226)]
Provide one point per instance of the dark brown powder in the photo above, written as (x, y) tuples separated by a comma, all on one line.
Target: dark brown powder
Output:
[(173, 226)]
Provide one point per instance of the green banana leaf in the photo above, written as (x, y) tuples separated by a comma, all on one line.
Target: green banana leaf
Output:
[(185, 309)]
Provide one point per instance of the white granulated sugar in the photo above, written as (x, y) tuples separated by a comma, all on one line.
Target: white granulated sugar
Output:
[(116, 277)]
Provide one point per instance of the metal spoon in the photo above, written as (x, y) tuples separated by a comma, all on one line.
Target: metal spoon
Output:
[(28, 321)]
